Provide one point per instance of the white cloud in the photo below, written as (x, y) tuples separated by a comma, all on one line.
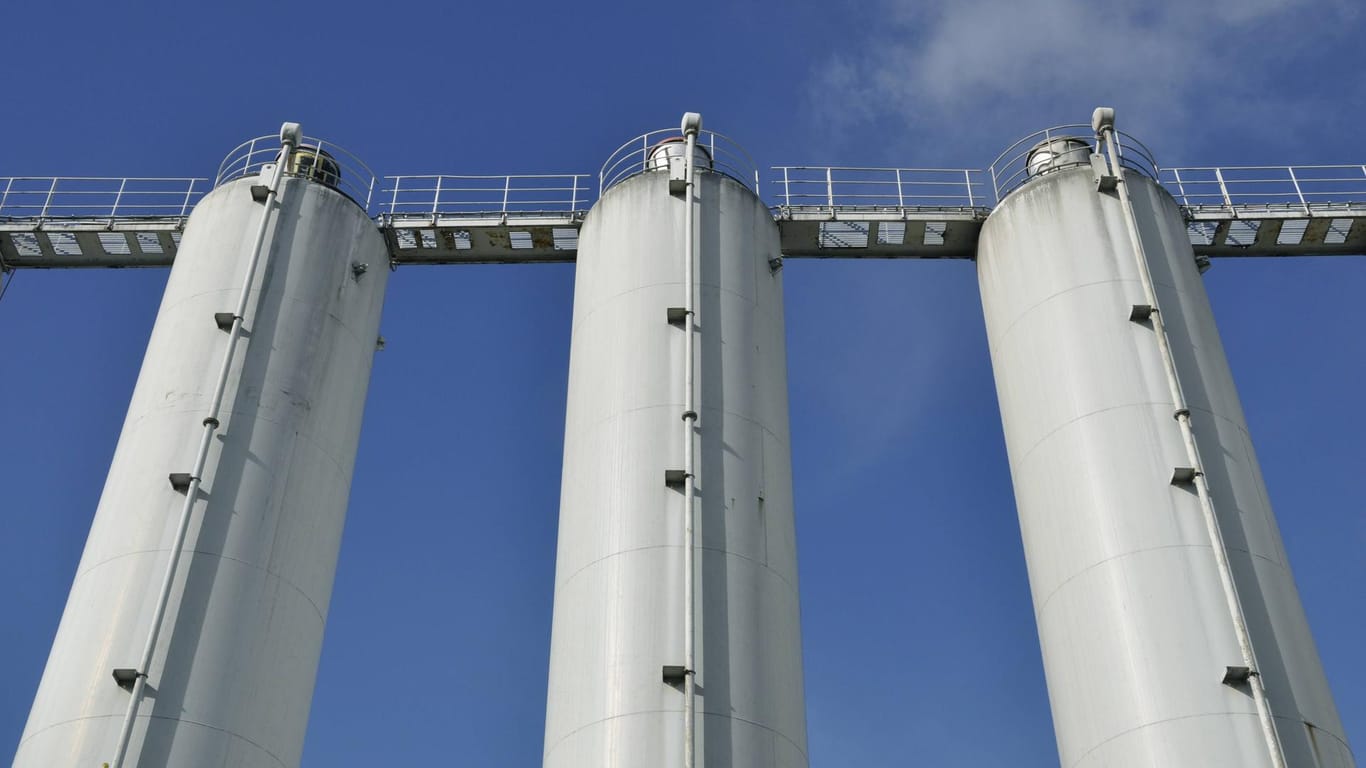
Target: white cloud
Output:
[(970, 65)]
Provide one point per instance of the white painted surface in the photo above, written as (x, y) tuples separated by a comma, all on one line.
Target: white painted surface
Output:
[(1133, 625), (618, 597), (233, 677)]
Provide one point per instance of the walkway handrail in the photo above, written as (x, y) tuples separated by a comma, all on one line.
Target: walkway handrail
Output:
[(96, 197), (433, 195), (722, 155), (315, 158)]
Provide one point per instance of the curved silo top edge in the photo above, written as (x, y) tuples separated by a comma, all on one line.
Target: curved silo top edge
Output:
[(652, 151), (1063, 146), (314, 159)]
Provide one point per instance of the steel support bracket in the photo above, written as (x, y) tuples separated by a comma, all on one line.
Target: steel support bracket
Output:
[(260, 192), (180, 481), (1237, 675), (126, 678), (1141, 313), (674, 478), (224, 320), (1184, 475), (675, 674), (678, 175), (1105, 180)]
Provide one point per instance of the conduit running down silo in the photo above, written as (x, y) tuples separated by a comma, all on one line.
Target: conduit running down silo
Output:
[(692, 124), (1145, 564), (229, 677), (620, 604)]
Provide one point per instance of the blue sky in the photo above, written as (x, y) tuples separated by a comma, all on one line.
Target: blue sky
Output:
[(919, 639)]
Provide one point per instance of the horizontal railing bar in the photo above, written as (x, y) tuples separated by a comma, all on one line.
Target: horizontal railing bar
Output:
[(1185, 168), (872, 169)]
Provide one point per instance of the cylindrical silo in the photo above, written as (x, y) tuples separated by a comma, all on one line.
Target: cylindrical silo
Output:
[(620, 597), (1138, 609), (233, 661)]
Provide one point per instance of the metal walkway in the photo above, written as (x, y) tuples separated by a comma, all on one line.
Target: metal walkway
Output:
[(821, 212)]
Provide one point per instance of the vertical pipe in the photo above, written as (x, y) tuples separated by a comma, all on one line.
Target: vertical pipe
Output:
[(201, 456), (1183, 417), (690, 428)]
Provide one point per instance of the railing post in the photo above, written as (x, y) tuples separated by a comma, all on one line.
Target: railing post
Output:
[(51, 190), (507, 186), (967, 179), (787, 189), (1298, 192), (251, 154), (574, 195), (185, 204), (900, 198), (5, 198), (829, 190), (436, 198), (1223, 188), (393, 201), (1180, 186), (113, 212)]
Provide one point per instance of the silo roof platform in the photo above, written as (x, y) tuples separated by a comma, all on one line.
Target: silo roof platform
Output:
[(820, 211)]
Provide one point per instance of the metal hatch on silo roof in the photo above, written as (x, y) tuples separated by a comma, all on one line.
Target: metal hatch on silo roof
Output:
[(311, 162), (1060, 152), (676, 148)]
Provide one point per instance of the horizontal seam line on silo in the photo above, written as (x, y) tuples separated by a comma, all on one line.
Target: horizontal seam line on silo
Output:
[(1032, 307), (1139, 404), (227, 416), (1052, 593), (576, 322), (679, 407), (633, 550), (232, 734), (278, 577), (704, 713), (1157, 722)]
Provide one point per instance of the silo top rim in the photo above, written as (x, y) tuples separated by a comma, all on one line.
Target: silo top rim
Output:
[(330, 164), (1012, 168), (721, 155)]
